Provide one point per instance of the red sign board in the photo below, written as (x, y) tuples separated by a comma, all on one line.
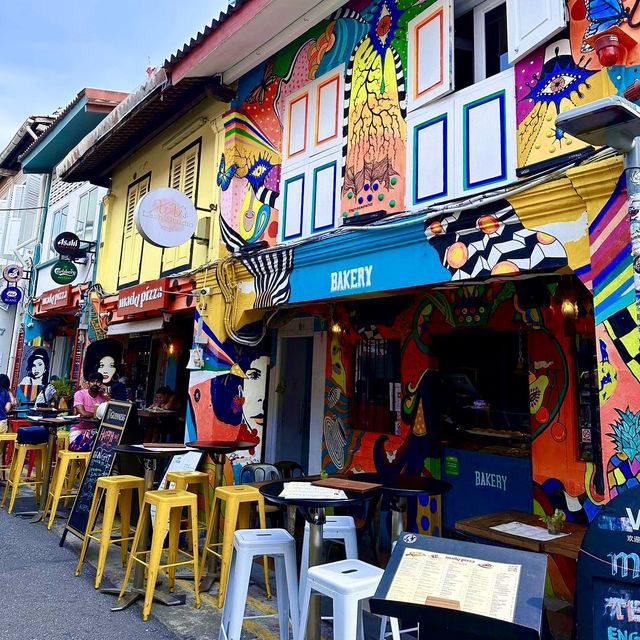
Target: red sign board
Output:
[(55, 298), (150, 296)]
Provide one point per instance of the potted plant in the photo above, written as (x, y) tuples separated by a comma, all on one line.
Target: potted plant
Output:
[(63, 392), (554, 522)]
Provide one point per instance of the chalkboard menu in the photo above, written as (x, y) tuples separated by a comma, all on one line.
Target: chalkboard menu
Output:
[(608, 587), (100, 464)]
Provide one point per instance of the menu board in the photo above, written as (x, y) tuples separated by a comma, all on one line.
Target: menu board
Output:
[(456, 582), (100, 464)]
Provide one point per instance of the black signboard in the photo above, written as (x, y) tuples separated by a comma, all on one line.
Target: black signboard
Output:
[(66, 243), (608, 586), (100, 464)]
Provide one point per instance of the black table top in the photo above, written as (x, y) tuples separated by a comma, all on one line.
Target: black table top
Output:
[(221, 446), (272, 490), (128, 449), (404, 485)]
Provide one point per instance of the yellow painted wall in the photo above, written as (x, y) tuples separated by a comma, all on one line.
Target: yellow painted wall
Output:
[(155, 157)]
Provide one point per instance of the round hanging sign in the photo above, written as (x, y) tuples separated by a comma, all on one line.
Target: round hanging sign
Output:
[(64, 272), (66, 243), (11, 295), (166, 217), (12, 273)]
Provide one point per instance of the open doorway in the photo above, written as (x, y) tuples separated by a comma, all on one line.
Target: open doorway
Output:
[(296, 396), (294, 406)]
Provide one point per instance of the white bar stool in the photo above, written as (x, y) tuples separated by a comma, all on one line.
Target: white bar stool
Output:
[(247, 544), (336, 528), (348, 583)]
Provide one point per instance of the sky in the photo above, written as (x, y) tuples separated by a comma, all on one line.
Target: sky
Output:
[(49, 51)]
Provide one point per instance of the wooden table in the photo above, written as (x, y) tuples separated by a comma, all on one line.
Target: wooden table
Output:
[(480, 527)]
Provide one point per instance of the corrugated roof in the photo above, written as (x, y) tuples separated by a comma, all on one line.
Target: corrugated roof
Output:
[(61, 113), (117, 138), (187, 47)]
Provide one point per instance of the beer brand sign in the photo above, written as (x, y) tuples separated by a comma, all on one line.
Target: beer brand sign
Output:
[(150, 296), (55, 298), (66, 243)]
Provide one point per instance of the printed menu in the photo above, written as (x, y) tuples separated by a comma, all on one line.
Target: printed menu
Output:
[(455, 582)]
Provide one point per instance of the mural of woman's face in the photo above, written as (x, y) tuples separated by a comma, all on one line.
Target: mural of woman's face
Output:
[(107, 368), (38, 368), (253, 393)]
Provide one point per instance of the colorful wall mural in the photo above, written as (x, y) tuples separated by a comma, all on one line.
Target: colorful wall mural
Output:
[(227, 397)]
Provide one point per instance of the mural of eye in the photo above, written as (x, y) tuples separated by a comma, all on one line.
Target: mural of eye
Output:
[(560, 77), (197, 395), (258, 171), (384, 25)]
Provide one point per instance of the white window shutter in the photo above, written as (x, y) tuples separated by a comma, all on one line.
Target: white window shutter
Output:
[(431, 54), (530, 24)]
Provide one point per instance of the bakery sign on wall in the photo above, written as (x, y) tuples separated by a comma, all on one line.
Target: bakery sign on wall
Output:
[(166, 217)]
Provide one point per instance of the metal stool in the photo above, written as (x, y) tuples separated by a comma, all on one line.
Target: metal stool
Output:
[(70, 467), (247, 544)]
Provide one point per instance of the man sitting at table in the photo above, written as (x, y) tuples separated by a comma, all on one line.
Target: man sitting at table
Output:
[(85, 401)]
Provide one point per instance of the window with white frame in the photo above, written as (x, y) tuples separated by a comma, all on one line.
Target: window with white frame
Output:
[(58, 225), (464, 142), (312, 151), (87, 215)]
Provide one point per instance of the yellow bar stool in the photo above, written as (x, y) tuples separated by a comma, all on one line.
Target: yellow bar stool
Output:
[(238, 500), (117, 492), (70, 467), (169, 504), (62, 440), (188, 481), (16, 479), (6, 439)]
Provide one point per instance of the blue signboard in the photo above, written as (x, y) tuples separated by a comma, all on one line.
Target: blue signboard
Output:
[(11, 295), (364, 262), (484, 483)]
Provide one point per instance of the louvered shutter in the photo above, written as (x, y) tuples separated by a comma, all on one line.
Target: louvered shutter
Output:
[(132, 240), (184, 177)]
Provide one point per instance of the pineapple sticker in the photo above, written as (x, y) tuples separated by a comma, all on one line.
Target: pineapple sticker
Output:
[(623, 469)]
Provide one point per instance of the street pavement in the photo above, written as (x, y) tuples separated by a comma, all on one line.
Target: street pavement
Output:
[(43, 600)]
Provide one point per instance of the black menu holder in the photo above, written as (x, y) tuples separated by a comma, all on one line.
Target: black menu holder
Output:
[(608, 587), (438, 623)]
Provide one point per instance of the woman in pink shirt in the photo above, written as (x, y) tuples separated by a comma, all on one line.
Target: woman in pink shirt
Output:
[(85, 401)]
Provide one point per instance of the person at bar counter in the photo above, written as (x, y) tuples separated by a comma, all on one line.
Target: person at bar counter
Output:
[(85, 401)]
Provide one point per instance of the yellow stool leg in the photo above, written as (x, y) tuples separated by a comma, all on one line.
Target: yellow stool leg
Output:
[(54, 494), (265, 559), (21, 455), (193, 513), (230, 521), (209, 534), (91, 524), (39, 473), (175, 519), (110, 504), (9, 482), (144, 513), (71, 479), (155, 556), (124, 504)]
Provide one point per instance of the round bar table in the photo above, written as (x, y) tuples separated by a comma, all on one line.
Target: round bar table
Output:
[(217, 450), (52, 424), (313, 512), (149, 457), (400, 487)]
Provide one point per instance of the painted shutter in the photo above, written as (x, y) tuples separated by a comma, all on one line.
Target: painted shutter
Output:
[(16, 204), (293, 204), (431, 54), (184, 177), (132, 240), (529, 24)]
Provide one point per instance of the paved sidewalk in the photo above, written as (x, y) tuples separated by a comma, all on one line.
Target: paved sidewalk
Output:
[(43, 600)]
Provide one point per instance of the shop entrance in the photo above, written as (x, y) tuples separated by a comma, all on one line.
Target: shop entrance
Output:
[(296, 396)]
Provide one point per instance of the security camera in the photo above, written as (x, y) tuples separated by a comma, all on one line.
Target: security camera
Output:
[(204, 291)]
